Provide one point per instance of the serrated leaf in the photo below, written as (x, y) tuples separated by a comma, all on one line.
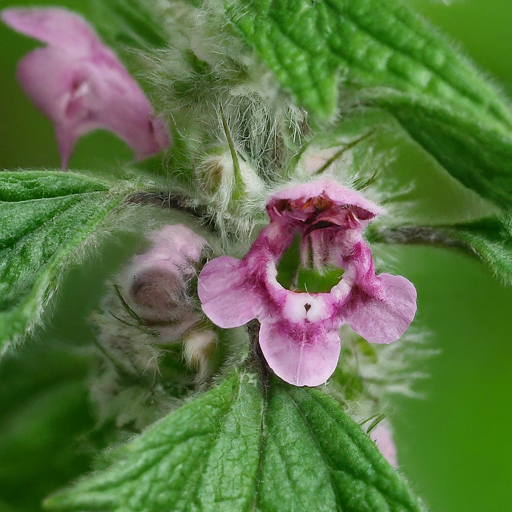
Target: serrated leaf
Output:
[(380, 54), (238, 448), (44, 218), (489, 239), (367, 44), (475, 152)]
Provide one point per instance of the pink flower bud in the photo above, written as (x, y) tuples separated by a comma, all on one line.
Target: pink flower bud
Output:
[(381, 435), (157, 283)]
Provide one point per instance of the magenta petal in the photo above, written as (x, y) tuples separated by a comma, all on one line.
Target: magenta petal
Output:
[(323, 187), (54, 26), (110, 99), (384, 317), (81, 85), (226, 298), (302, 354), (47, 76)]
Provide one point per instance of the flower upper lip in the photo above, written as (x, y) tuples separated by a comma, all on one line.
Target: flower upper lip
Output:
[(316, 194)]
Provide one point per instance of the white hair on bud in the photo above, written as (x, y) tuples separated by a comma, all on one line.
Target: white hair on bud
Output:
[(155, 342), (208, 82), (198, 347)]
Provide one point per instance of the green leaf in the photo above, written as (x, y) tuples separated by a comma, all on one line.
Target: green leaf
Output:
[(475, 152), (312, 46), (45, 217), (238, 448), (129, 23), (44, 411), (350, 53), (489, 239)]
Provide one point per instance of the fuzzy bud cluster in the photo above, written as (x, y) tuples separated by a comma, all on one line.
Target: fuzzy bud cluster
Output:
[(229, 187), (156, 342)]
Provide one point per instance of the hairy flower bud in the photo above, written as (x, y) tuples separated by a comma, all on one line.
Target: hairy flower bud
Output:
[(156, 342), (226, 179), (198, 349), (156, 285)]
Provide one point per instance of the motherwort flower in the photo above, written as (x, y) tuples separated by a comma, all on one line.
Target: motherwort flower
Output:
[(81, 85), (299, 334)]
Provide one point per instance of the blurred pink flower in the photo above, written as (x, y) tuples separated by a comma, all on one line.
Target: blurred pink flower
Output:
[(81, 85), (381, 435), (299, 331)]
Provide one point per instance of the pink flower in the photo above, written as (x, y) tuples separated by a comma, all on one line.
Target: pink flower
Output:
[(80, 84), (381, 435), (299, 334)]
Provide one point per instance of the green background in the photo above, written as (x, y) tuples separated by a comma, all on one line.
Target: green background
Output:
[(454, 443)]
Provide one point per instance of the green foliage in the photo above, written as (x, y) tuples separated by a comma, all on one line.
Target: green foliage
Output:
[(247, 445), (344, 54), (244, 447), (43, 421), (489, 239), (44, 218), (129, 22), (474, 151), (364, 45)]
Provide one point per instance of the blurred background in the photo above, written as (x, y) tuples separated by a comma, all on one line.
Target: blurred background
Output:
[(454, 443)]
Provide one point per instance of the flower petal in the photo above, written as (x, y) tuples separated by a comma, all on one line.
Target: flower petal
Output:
[(339, 194), (53, 81), (226, 298), (302, 354), (179, 244), (384, 441), (48, 77), (384, 314), (81, 85), (54, 26)]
